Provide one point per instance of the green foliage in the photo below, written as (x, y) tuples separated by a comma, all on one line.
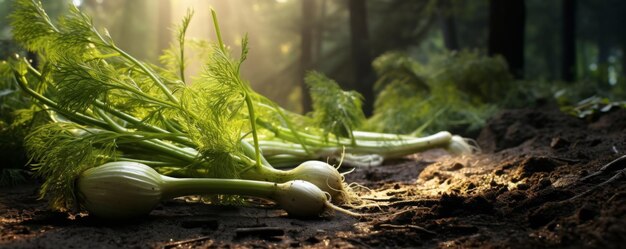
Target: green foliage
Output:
[(211, 128), (112, 105), (334, 110), (483, 79), (16, 118), (398, 68), (592, 106), (72, 35), (63, 151), (31, 25), (173, 58), (450, 93)]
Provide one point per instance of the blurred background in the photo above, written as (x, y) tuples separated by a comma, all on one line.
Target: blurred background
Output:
[(447, 57)]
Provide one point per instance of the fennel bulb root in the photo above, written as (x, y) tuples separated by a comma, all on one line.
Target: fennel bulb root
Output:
[(120, 190)]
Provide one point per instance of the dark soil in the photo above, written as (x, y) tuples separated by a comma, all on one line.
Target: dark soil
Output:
[(536, 184)]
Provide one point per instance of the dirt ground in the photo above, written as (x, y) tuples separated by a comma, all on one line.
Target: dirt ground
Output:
[(538, 183)]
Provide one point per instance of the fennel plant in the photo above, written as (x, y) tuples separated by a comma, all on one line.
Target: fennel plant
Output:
[(108, 106)]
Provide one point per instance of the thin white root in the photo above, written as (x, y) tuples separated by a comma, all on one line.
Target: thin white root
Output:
[(462, 146), (345, 211)]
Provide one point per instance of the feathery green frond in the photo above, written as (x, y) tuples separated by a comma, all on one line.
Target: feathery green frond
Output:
[(211, 128), (226, 72), (449, 93), (62, 151), (398, 67), (334, 110), (79, 84), (77, 35), (244, 51), (182, 30), (72, 36), (31, 25)]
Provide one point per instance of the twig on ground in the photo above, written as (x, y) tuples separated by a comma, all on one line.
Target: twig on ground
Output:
[(414, 227), (567, 160), (182, 242), (420, 202), (621, 173), (609, 167)]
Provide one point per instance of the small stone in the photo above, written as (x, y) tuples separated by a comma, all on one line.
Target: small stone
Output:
[(558, 143)]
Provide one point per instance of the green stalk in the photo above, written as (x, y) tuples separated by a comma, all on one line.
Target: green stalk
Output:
[(154, 144), (386, 148), (273, 147), (119, 114), (22, 82), (143, 67), (217, 29), (152, 164), (288, 135), (176, 187), (182, 58), (267, 174), (375, 136), (283, 116), (248, 99), (149, 72), (288, 160), (255, 136)]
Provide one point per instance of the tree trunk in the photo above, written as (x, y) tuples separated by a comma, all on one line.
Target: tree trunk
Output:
[(319, 32), (604, 51), (624, 57), (306, 47), (506, 33), (448, 25), (568, 69), (361, 58)]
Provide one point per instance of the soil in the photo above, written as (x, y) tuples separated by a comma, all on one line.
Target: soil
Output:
[(538, 183)]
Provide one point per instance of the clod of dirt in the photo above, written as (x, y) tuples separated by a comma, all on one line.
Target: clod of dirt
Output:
[(614, 122), (543, 196), (547, 212), (586, 213), (513, 127), (450, 205), (536, 164)]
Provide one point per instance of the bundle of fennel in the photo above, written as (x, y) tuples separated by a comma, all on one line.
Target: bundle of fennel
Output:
[(122, 128)]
